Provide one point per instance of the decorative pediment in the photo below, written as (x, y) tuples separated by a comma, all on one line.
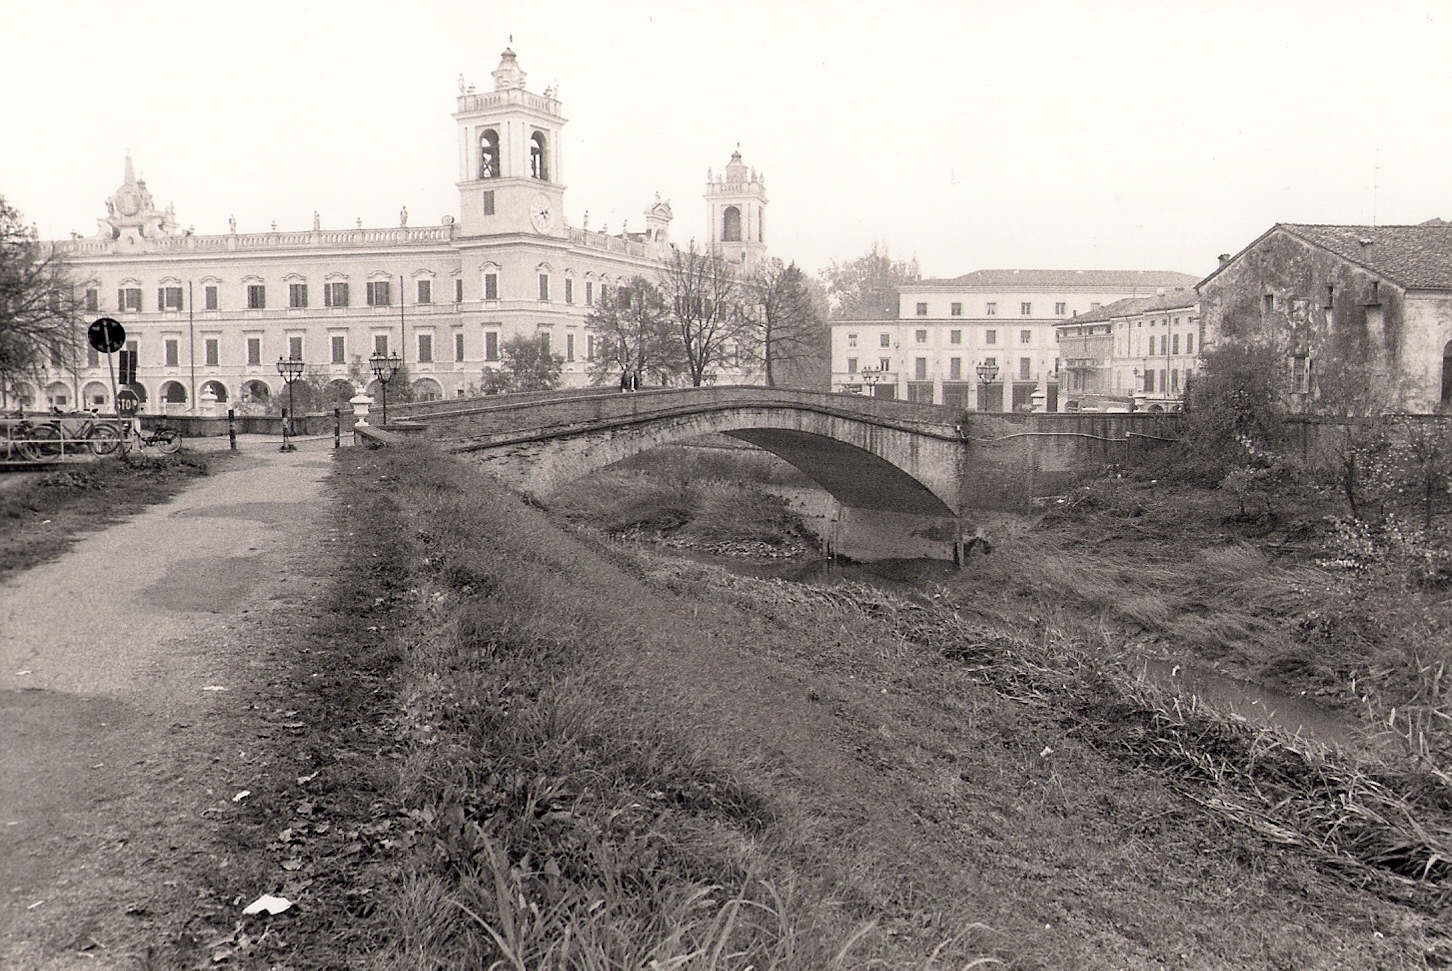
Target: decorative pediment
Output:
[(132, 208)]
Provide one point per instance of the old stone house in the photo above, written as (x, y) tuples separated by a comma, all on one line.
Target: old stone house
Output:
[(1377, 296)]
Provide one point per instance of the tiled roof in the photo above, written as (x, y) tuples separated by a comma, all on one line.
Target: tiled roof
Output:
[(1418, 257), (1147, 281), (1180, 298)]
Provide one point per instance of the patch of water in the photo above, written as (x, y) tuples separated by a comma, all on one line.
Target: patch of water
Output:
[(1259, 705)]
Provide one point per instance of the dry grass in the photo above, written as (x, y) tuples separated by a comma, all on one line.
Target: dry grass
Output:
[(609, 758), (572, 823)]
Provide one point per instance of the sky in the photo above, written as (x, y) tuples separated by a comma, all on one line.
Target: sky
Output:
[(972, 135)]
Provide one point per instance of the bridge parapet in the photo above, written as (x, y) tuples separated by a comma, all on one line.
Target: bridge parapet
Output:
[(516, 413)]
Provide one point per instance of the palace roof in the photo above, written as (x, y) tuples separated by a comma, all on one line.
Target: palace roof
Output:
[(1147, 281)]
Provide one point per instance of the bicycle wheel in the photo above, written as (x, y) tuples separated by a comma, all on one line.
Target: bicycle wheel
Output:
[(46, 441), (104, 439), (168, 440), (20, 444)]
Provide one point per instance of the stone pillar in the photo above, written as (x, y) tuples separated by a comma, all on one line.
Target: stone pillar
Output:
[(207, 403)]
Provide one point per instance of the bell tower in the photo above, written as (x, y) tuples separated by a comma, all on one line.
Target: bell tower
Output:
[(737, 200), (510, 158)]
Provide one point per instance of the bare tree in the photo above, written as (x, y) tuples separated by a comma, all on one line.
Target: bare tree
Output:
[(635, 335), (703, 291), (41, 306), (790, 324)]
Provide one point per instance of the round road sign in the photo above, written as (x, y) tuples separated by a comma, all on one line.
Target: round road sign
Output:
[(127, 401), (106, 335)]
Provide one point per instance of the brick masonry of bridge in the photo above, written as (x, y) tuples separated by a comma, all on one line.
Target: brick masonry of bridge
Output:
[(910, 479)]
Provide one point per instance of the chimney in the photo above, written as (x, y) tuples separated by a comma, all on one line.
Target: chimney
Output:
[(1224, 258)]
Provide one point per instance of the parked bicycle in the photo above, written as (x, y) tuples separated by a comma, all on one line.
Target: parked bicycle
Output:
[(87, 429), (162, 437), (31, 440)]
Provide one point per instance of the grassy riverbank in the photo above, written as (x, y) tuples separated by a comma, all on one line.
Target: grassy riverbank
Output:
[(583, 755)]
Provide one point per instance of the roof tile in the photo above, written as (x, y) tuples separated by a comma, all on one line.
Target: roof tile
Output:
[(1417, 257)]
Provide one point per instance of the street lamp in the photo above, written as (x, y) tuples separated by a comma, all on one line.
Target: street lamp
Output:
[(870, 377), (384, 368), (291, 369), (987, 374)]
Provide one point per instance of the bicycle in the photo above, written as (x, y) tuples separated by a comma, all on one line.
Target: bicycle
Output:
[(101, 436), (163, 437), (32, 442)]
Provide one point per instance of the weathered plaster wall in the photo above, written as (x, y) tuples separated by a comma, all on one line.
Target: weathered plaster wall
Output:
[(1399, 335), (1429, 328)]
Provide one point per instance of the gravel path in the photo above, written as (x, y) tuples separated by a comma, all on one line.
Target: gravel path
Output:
[(115, 660)]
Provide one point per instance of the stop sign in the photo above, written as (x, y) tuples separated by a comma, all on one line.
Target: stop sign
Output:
[(127, 402)]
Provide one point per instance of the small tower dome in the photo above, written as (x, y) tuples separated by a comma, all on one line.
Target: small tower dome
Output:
[(508, 74)]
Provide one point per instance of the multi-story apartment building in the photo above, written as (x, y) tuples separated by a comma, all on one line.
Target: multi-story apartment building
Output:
[(1135, 354), (211, 315), (984, 341)]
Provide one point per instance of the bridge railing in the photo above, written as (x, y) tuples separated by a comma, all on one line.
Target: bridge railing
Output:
[(494, 414)]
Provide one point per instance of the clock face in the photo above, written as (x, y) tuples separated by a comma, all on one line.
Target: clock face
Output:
[(541, 214)]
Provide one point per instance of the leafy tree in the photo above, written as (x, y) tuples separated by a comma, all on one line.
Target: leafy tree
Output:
[(703, 292), (1233, 408), (790, 318), (527, 365), (42, 310), (867, 288), (636, 335)]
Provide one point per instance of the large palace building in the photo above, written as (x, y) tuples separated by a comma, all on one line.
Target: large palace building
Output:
[(210, 316)]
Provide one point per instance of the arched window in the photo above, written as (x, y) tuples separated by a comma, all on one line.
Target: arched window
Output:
[(731, 225), (539, 161), (489, 154), (339, 390), (427, 389)]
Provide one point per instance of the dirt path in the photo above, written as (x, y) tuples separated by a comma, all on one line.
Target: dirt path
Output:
[(117, 665)]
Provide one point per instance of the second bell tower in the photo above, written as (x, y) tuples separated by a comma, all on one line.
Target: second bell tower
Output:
[(510, 157)]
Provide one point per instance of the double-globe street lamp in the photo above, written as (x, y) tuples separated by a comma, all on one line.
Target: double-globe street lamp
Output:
[(987, 374), (291, 369), (870, 376), (384, 368)]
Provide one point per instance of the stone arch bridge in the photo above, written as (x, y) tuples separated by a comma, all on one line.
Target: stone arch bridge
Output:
[(907, 479)]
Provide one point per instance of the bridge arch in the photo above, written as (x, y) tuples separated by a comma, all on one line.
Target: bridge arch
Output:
[(861, 463)]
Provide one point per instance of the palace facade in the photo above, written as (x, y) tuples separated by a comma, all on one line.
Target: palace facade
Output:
[(984, 341), (209, 316)]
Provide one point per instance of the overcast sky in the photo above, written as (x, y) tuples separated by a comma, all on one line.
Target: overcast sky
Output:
[(972, 135)]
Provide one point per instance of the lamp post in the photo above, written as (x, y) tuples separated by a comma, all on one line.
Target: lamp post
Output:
[(291, 369), (870, 377), (987, 374), (384, 368)]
